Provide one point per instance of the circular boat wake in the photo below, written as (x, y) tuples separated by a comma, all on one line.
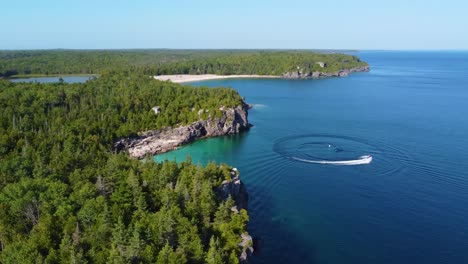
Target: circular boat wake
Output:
[(325, 149), (366, 159)]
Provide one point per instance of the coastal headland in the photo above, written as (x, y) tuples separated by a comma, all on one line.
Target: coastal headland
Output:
[(232, 121)]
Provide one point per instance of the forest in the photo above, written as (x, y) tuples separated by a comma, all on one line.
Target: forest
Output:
[(67, 197), (159, 62)]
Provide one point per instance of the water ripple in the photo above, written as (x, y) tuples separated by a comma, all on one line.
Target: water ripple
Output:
[(342, 150)]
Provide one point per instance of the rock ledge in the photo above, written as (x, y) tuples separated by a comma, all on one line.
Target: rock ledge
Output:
[(318, 74), (233, 121)]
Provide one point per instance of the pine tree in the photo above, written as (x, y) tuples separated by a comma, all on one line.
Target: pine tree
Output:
[(214, 255)]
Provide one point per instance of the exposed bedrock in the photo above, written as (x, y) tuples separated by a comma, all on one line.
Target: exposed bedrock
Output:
[(235, 189), (232, 121), (299, 74)]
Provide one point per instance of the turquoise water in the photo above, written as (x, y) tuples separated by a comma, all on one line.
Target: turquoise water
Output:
[(52, 79), (409, 205)]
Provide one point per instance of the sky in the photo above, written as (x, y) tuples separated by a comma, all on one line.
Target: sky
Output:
[(239, 24)]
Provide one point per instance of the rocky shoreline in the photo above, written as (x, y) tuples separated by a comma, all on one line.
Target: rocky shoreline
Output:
[(235, 189), (299, 74), (233, 121)]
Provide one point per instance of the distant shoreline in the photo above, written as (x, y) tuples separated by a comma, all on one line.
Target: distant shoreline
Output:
[(184, 78), (25, 76)]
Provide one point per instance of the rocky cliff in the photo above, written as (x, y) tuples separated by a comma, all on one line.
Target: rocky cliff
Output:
[(235, 189), (232, 121), (299, 74)]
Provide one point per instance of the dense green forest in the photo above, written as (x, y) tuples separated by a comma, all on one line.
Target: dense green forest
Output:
[(158, 62), (66, 197)]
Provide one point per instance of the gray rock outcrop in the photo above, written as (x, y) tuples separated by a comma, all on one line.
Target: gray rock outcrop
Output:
[(235, 189), (246, 246), (317, 74), (233, 120), (343, 73)]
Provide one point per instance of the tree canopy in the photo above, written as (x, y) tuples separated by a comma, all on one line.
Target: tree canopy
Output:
[(66, 197), (158, 62)]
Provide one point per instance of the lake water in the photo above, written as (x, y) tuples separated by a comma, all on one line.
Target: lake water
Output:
[(409, 205), (52, 79)]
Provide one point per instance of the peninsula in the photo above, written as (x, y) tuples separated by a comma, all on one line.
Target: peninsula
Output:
[(232, 120)]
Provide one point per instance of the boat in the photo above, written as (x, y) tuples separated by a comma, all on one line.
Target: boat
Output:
[(366, 159)]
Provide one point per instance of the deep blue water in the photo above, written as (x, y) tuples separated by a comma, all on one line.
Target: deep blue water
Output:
[(410, 205), (52, 79)]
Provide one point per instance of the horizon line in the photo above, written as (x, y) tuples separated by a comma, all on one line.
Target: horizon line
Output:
[(226, 49)]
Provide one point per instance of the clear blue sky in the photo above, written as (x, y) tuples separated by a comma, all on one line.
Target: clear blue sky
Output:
[(301, 24)]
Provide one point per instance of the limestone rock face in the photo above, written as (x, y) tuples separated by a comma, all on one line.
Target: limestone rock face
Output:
[(292, 75), (235, 189), (246, 246), (343, 73), (317, 74), (233, 121)]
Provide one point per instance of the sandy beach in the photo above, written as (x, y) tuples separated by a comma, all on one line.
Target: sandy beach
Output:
[(183, 78)]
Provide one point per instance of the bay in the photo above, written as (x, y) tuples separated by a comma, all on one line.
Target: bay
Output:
[(407, 206)]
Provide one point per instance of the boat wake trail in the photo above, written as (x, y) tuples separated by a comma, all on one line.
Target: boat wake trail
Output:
[(325, 149), (366, 159)]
